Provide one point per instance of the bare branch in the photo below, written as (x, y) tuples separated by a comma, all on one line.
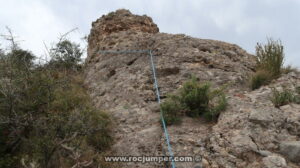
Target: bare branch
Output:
[(63, 36), (11, 38)]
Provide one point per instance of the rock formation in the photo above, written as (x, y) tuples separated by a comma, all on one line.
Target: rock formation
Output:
[(250, 133)]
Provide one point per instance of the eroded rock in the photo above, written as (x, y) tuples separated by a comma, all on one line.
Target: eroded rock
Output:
[(247, 134)]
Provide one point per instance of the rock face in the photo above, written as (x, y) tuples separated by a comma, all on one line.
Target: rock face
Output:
[(121, 20), (247, 134)]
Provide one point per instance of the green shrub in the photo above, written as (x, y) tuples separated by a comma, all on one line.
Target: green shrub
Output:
[(280, 98), (200, 99), (270, 57), (66, 54), (100, 138), (9, 161), (21, 58), (297, 99), (214, 112), (46, 115), (259, 79), (171, 111), (194, 99), (298, 89)]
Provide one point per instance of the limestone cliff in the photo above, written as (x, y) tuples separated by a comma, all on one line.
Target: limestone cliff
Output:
[(250, 133)]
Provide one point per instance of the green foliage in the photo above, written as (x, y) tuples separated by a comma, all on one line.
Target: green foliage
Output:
[(22, 57), (259, 79), (280, 98), (297, 99), (101, 138), (45, 113), (298, 89), (194, 100), (286, 96), (195, 97), (214, 112), (270, 57), (172, 111), (66, 54), (8, 161)]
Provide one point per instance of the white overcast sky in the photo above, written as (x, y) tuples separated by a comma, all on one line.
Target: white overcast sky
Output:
[(242, 22)]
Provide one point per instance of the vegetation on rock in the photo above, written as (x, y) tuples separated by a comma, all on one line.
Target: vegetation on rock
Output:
[(298, 89), (281, 98), (284, 97), (270, 59), (260, 78), (194, 99)]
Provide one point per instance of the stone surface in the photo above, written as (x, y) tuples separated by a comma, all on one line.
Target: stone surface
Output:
[(291, 149), (274, 162), (262, 117), (292, 115), (247, 134)]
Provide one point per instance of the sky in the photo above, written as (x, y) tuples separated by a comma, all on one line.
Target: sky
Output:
[(242, 22)]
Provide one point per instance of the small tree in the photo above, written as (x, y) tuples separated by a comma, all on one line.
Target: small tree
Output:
[(46, 116), (66, 53), (21, 58)]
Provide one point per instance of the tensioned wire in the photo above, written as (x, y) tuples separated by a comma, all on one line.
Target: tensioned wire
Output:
[(156, 91)]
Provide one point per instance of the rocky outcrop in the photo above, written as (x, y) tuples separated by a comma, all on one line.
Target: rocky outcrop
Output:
[(247, 134), (121, 20)]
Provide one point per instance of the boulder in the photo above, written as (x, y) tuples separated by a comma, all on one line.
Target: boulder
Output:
[(274, 162), (291, 150)]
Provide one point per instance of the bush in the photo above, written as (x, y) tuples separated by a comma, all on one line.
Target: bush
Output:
[(21, 58), (46, 116), (297, 99), (270, 57), (298, 89), (101, 138), (214, 112), (259, 79), (281, 98), (171, 111), (8, 161), (194, 99), (65, 54)]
